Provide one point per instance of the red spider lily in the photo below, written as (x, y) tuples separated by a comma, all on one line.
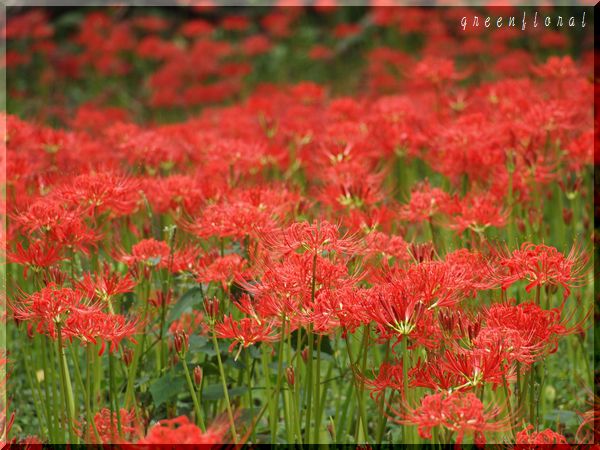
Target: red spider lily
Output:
[(425, 202), (557, 67), (527, 438), (377, 243), (181, 431), (471, 146), (393, 311), (458, 412), (108, 429), (541, 265), (174, 193), (435, 284), (245, 332), (47, 219), (477, 365), (588, 431), (478, 212), (190, 323), (236, 220), (436, 71), (148, 252), (390, 376), (51, 306), (314, 239), (89, 326), (102, 192), (538, 330), (432, 375), (286, 287), (38, 255), (223, 269), (104, 285), (354, 191), (472, 268)]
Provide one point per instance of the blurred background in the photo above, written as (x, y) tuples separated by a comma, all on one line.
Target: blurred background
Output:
[(161, 64)]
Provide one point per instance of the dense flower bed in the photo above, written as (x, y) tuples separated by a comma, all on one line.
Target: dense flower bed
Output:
[(203, 249)]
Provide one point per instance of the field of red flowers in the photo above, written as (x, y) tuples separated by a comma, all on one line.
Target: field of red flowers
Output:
[(301, 225)]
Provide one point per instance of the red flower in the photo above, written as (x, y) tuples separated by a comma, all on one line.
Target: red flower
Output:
[(105, 285), (477, 365), (51, 306), (542, 265), (389, 376), (245, 332), (425, 202), (102, 192), (540, 439), (181, 431), (149, 252), (457, 412), (478, 212), (314, 238), (108, 428), (537, 330), (89, 326), (39, 254), (224, 269)]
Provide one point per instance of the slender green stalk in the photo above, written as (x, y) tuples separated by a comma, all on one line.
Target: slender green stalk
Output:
[(249, 373), (279, 376), (199, 419), (225, 390), (86, 397), (407, 430), (66, 385), (317, 390), (508, 407), (49, 386), (309, 384), (270, 402), (382, 416), (139, 349), (359, 399), (43, 414), (114, 402)]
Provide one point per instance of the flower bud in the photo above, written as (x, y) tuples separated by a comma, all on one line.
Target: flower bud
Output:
[(211, 306), (422, 252), (127, 356), (304, 355), (289, 372), (198, 376), (567, 216), (331, 429), (181, 342), (521, 225)]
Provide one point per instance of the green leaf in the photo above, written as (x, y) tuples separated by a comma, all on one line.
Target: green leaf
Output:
[(166, 388), (215, 392), (567, 418), (185, 303)]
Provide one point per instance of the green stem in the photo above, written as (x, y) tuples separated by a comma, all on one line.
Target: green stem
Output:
[(114, 402), (382, 416), (508, 407), (50, 384), (309, 384), (317, 390), (359, 399), (190, 384), (66, 385), (86, 397), (225, 390), (405, 392)]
